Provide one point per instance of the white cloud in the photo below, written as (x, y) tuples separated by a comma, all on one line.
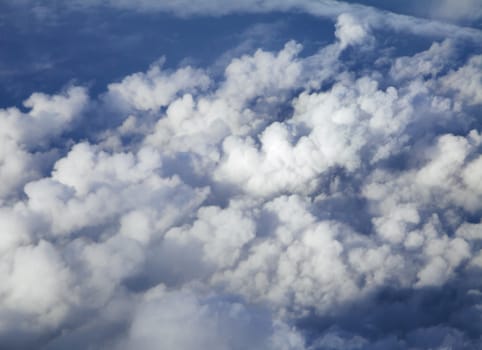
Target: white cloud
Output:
[(156, 88), (467, 81), (350, 31), (36, 286), (181, 320), (223, 233), (23, 136), (89, 187), (209, 219), (426, 63)]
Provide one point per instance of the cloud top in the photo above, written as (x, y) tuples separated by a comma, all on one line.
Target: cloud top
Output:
[(298, 202)]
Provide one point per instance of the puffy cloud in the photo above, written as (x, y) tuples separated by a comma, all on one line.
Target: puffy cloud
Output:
[(25, 138), (427, 63), (350, 31), (293, 203), (467, 81), (24, 293), (197, 124), (183, 320), (90, 187), (223, 233), (338, 120), (156, 88)]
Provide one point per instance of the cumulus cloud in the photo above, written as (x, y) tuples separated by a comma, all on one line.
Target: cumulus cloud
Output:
[(156, 88), (467, 81), (26, 137), (295, 202), (182, 320), (349, 30)]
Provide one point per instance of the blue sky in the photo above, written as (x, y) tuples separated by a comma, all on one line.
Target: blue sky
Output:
[(293, 175), (98, 46)]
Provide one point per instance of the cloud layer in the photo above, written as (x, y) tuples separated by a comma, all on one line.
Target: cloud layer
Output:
[(330, 201)]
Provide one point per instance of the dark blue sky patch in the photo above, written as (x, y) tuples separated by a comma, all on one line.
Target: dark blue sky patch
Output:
[(99, 45)]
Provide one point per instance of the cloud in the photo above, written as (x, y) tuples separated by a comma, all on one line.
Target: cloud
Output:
[(26, 137), (372, 17), (467, 81), (182, 320), (456, 10), (323, 201), (349, 31), (156, 88)]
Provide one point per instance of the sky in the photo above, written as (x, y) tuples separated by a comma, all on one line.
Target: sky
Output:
[(258, 174)]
